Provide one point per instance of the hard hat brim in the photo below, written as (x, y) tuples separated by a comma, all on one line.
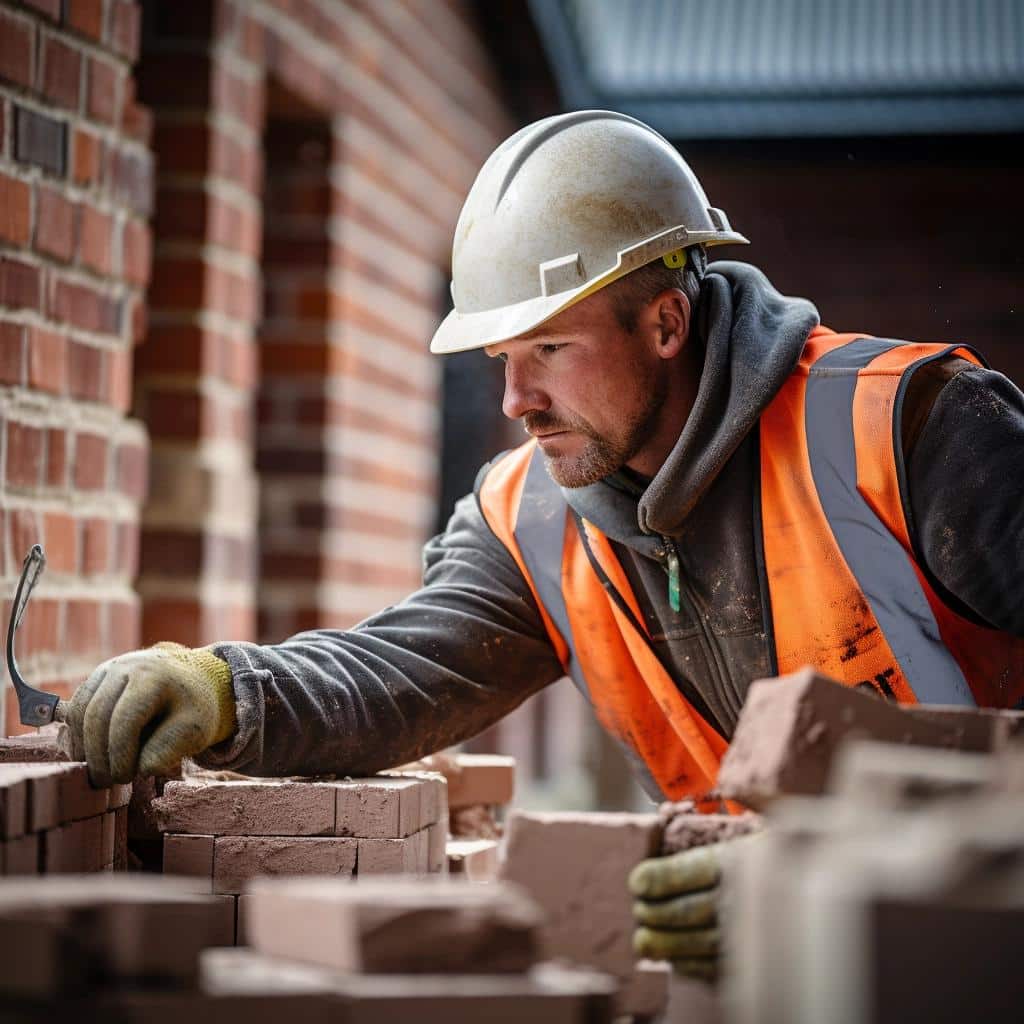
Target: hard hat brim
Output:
[(461, 332)]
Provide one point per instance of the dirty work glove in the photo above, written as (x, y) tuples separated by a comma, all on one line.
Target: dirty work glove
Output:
[(144, 711), (676, 907)]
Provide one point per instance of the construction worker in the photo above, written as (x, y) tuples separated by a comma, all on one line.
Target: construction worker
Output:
[(716, 489)]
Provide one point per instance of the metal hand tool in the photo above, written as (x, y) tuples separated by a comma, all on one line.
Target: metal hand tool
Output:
[(34, 706)]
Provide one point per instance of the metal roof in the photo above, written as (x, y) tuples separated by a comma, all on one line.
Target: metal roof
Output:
[(746, 68)]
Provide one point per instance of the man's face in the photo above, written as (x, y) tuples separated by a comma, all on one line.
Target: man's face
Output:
[(588, 390)]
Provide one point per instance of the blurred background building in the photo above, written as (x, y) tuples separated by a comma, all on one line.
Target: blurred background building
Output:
[(224, 243)]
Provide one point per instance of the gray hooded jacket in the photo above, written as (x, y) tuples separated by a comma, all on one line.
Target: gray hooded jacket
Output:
[(469, 646)]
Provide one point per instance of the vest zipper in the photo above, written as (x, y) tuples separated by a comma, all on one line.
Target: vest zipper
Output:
[(677, 592), (672, 560)]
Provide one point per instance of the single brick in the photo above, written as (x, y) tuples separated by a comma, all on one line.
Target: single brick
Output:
[(61, 72), (190, 855), (55, 224), (366, 810), (17, 46), (227, 920), (437, 853), (394, 925), (86, 17), (75, 848), (476, 859), (247, 808), (645, 995), (479, 779), (390, 857), (109, 840), (237, 859), (13, 803), (47, 365), (21, 856), (121, 839), (78, 798), (791, 728), (35, 747), (15, 210), (576, 866), (547, 994), (44, 806), (242, 919), (85, 157), (433, 796), (12, 350), (19, 284), (102, 102), (39, 140)]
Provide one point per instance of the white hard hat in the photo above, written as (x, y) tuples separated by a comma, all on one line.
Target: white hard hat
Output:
[(562, 208)]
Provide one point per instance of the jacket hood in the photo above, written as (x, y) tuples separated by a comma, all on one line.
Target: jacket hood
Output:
[(753, 336)]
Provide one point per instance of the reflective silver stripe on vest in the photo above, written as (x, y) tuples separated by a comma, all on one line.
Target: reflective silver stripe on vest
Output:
[(879, 564), (540, 533)]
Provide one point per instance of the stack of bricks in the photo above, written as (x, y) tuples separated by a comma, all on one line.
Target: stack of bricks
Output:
[(75, 194), (891, 829), (80, 942), (328, 952), (223, 834), (447, 951), (53, 822)]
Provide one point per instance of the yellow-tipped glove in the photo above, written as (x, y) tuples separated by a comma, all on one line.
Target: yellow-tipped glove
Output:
[(676, 907), (144, 711)]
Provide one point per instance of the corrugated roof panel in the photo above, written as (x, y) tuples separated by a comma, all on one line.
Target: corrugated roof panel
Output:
[(670, 54)]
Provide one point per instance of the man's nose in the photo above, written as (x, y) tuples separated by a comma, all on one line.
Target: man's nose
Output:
[(521, 394)]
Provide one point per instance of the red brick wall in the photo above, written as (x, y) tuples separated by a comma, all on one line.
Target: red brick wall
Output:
[(75, 192), (312, 157)]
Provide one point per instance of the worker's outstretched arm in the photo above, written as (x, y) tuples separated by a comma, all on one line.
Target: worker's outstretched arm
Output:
[(439, 667)]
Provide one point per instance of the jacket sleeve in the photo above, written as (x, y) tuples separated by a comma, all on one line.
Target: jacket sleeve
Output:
[(964, 478), (438, 668)]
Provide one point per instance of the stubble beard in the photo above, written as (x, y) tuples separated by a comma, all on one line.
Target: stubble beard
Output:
[(601, 456)]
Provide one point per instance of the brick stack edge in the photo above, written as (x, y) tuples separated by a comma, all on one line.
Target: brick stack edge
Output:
[(223, 834), (76, 185), (53, 822)]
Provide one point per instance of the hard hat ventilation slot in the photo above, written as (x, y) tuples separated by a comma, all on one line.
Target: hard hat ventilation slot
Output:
[(559, 275)]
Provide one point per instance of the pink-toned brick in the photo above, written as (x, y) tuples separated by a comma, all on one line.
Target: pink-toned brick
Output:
[(192, 856), (247, 808), (238, 859)]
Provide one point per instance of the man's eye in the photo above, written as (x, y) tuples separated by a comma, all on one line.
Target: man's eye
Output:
[(549, 349)]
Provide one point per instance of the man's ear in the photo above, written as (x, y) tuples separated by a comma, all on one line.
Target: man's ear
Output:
[(672, 315)]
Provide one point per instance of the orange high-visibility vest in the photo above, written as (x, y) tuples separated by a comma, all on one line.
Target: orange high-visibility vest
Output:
[(845, 589)]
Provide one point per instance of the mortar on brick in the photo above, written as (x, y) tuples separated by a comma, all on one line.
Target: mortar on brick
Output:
[(251, 808), (684, 828)]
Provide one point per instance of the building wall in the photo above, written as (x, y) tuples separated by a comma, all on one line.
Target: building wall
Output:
[(313, 157), (75, 195)]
